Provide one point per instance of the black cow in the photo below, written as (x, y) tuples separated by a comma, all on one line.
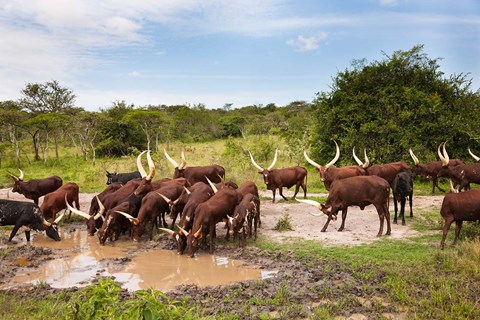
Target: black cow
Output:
[(125, 177), (402, 187), (27, 214)]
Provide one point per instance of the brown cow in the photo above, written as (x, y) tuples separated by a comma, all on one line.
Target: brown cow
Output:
[(248, 210), (431, 169), (54, 201), (208, 214), (196, 174), (356, 191), (329, 173), (461, 175), (459, 207), (35, 188), (284, 177)]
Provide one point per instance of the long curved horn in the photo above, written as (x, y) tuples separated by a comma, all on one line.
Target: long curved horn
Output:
[(367, 162), (445, 154), (20, 177), (442, 158), (311, 202), (167, 200), (337, 155), (77, 212), (313, 163), (13, 176), (452, 189), (129, 217), (198, 233), (101, 211), (173, 162), (169, 231), (140, 168), (274, 160), (45, 223), (186, 190), (59, 218), (254, 163), (474, 156), (183, 164), (215, 190), (415, 159), (357, 160), (185, 233), (151, 166)]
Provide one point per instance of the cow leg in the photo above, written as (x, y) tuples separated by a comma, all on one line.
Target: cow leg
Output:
[(395, 206), (280, 190), (326, 223), (458, 228), (344, 216), (410, 201), (435, 184), (14, 232), (386, 214), (403, 199), (212, 237), (297, 188), (273, 192), (446, 227)]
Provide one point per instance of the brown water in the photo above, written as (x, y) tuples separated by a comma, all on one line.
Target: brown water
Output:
[(84, 259)]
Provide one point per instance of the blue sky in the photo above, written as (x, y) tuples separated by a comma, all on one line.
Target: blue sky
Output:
[(215, 52)]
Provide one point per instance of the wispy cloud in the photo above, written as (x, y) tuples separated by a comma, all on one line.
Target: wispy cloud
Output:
[(303, 43)]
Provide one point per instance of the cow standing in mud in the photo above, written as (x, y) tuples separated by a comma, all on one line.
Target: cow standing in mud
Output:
[(28, 215), (356, 191), (285, 177)]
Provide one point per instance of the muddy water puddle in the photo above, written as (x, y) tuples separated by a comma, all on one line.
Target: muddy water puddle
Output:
[(83, 259)]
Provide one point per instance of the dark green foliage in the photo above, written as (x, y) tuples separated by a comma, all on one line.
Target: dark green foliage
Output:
[(391, 105)]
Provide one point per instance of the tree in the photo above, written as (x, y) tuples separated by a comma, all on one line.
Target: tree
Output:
[(391, 105), (46, 97), (150, 121)]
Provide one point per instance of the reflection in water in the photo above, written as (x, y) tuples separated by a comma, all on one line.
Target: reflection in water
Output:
[(158, 269)]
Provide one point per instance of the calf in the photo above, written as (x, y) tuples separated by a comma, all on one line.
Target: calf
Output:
[(402, 187), (246, 211), (54, 201), (459, 207), (356, 191), (18, 214)]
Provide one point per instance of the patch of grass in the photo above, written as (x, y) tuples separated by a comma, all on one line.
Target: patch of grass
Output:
[(284, 223)]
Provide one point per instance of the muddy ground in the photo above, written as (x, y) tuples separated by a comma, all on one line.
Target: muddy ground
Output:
[(307, 285)]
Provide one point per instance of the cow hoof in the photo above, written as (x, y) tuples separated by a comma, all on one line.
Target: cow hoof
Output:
[(403, 223), (395, 221)]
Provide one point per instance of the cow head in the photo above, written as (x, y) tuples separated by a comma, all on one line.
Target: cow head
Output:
[(145, 185), (324, 208), (179, 169), (323, 170), (17, 182), (418, 169), (193, 241), (94, 222), (110, 176), (264, 172), (51, 229), (179, 237)]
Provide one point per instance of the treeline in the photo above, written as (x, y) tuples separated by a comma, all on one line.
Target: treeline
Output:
[(402, 101)]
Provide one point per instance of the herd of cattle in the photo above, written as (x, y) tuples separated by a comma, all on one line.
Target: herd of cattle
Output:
[(135, 204)]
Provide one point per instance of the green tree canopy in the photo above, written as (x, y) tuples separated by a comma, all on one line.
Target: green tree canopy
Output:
[(390, 105)]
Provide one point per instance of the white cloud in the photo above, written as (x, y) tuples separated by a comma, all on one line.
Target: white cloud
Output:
[(134, 74), (303, 44), (388, 3)]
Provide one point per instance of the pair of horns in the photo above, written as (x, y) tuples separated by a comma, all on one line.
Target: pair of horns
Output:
[(182, 165), (259, 167), (328, 165), (19, 178)]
